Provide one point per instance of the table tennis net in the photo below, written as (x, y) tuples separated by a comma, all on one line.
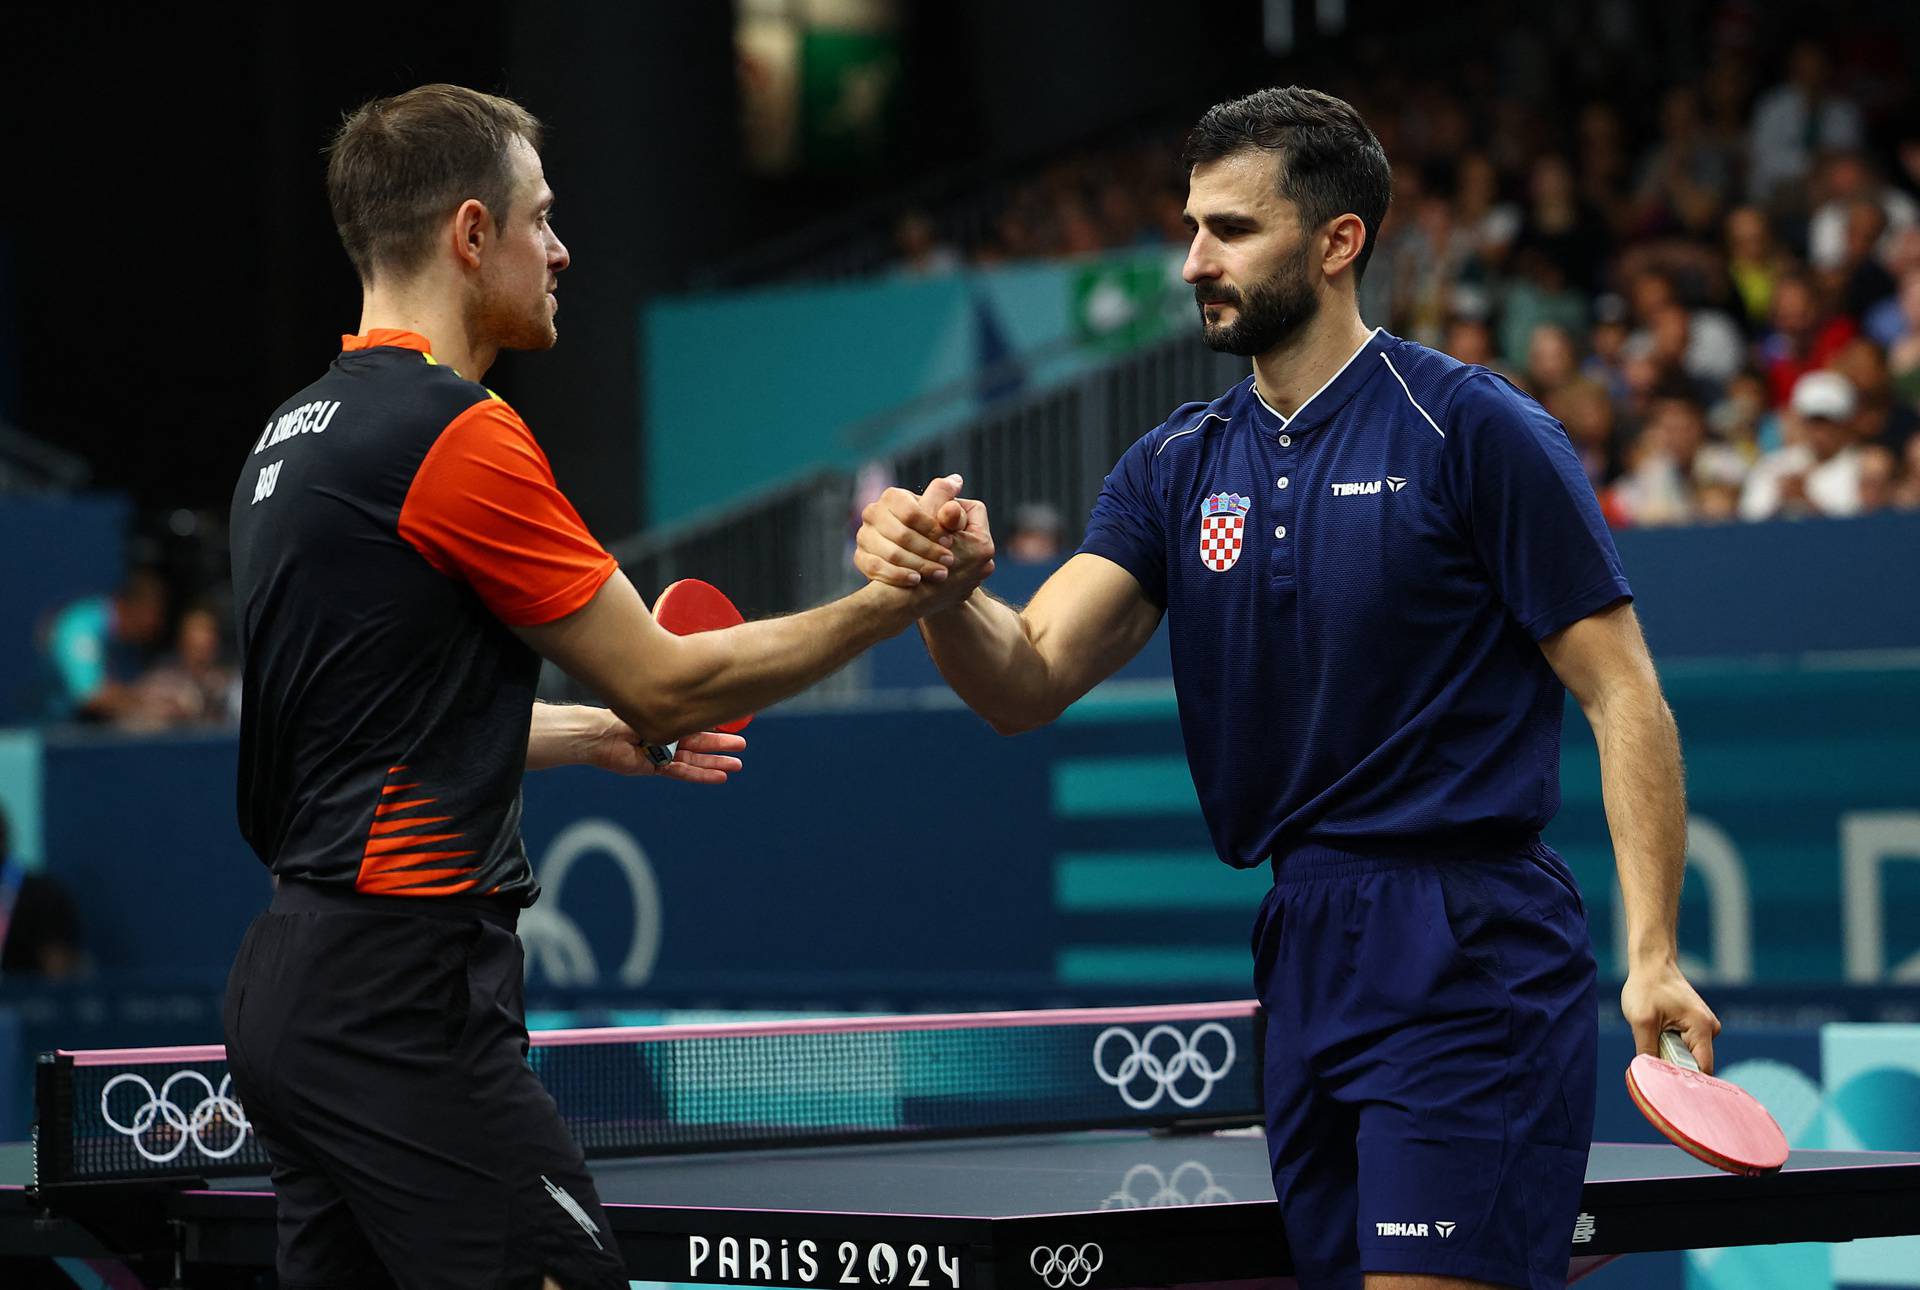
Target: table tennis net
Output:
[(163, 1112)]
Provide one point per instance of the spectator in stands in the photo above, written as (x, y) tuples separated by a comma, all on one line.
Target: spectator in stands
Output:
[(1433, 259), (1903, 353), (99, 646), (1741, 417), (1879, 470), (1535, 295), (1552, 361), (1381, 291), (1755, 263), (1490, 224), (1685, 178), (1906, 493), (1655, 489), (39, 929), (1670, 460), (1075, 230), (1606, 360), (919, 246), (1793, 123), (192, 686), (1856, 279), (1849, 191), (1804, 336), (1880, 418), (1818, 472), (1603, 166), (1584, 407), (1038, 535), (1646, 377), (1898, 315), (1469, 339), (1559, 225), (1726, 89)]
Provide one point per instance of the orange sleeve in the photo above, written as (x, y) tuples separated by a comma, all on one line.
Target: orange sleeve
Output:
[(484, 508)]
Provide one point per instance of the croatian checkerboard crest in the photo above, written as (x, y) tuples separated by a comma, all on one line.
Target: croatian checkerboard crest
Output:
[(1223, 529)]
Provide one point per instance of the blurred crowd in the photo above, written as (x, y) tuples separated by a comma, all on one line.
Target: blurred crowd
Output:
[(136, 660), (1709, 273)]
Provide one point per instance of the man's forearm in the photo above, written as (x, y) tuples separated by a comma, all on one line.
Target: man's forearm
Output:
[(982, 649), (745, 668), (562, 734), (1644, 789)]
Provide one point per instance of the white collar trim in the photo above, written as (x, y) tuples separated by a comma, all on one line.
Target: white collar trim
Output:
[(1286, 421)]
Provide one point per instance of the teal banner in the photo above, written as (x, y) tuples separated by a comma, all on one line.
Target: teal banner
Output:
[(746, 390), (1803, 840), (1072, 859)]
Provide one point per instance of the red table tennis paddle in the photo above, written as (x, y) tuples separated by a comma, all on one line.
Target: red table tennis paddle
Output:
[(1708, 1118), (684, 608)]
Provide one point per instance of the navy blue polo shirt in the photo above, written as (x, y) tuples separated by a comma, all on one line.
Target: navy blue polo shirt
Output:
[(1355, 597)]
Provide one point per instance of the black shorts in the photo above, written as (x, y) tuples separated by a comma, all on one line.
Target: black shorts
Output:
[(379, 1047)]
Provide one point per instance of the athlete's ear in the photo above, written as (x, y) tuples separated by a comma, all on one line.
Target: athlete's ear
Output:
[(1346, 235), (471, 228)]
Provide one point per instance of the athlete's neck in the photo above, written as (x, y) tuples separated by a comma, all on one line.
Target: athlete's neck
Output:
[(451, 336), (1290, 374)]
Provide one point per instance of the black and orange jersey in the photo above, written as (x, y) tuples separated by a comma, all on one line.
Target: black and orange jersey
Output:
[(392, 521)]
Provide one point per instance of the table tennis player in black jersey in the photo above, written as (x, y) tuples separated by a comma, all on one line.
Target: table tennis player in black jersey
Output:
[(402, 559)]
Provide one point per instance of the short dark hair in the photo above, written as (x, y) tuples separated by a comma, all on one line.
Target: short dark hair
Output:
[(398, 166), (1330, 162)]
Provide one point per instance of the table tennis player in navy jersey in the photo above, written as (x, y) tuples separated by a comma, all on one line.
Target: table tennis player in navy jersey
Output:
[(402, 558), (1382, 570)]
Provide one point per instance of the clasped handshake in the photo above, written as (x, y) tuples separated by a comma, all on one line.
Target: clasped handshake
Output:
[(936, 541)]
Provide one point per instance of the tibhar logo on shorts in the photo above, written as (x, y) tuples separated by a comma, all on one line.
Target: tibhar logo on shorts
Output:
[(1583, 1230), (1223, 527), (1414, 1229), (1368, 487), (572, 1207)]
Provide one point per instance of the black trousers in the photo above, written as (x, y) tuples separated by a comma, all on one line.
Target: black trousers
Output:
[(379, 1047)]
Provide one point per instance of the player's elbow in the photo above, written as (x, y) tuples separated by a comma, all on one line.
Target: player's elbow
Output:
[(1017, 719), (1009, 725), (654, 723)]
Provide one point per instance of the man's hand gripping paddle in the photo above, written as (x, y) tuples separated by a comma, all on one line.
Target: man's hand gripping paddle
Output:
[(1708, 1118), (686, 607)]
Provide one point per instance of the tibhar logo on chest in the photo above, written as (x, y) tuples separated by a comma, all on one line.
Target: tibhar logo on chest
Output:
[(1223, 528), (1368, 487)]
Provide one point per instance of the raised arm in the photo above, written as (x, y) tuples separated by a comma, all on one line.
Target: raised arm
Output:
[(1018, 668), (1602, 659), (1021, 668)]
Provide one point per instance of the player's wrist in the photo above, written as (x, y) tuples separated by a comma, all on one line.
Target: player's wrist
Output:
[(578, 734), (1652, 958), (887, 609)]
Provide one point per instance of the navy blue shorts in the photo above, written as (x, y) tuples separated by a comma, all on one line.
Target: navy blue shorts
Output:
[(1430, 1057)]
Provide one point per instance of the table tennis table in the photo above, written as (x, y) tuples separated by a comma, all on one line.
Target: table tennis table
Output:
[(1019, 1151)]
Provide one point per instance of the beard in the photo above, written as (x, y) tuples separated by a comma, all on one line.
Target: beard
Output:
[(1269, 313), (512, 322)]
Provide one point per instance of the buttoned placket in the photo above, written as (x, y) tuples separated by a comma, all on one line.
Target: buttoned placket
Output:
[(1281, 535)]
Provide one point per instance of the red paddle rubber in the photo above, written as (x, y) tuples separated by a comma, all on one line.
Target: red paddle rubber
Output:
[(1708, 1118)]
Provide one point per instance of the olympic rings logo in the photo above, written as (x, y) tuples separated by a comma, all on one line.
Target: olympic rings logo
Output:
[(1177, 1068), (1191, 1184), (217, 1106), (1066, 1264)]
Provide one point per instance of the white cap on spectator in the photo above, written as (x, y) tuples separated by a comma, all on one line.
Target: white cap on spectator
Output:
[(1823, 394)]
